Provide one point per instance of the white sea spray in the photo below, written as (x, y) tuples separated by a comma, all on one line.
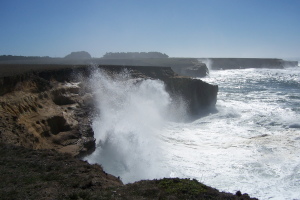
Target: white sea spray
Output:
[(251, 144), (133, 113)]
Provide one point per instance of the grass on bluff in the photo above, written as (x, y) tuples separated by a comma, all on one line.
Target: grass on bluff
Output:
[(182, 186), (46, 174)]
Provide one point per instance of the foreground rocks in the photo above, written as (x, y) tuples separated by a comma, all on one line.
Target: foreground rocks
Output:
[(47, 175)]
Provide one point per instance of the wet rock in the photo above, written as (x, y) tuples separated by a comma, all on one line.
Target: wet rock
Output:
[(201, 97), (294, 126)]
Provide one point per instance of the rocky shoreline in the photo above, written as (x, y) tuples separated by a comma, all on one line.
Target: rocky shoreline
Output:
[(47, 109), (52, 109)]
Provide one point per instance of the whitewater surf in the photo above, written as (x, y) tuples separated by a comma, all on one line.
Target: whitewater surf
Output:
[(252, 142)]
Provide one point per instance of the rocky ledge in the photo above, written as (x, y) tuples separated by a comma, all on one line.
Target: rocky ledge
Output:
[(53, 108), (45, 121)]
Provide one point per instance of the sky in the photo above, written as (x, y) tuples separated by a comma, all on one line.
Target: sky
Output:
[(179, 28)]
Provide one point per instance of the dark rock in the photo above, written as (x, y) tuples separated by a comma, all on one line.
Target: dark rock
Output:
[(200, 96), (242, 63), (238, 193), (58, 124), (294, 126)]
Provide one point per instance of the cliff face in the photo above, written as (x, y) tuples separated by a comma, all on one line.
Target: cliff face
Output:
[(40, 112), (52, 109), (200, 96)]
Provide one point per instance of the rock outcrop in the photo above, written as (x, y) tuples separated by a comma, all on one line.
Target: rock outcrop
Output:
[(201, 97), (53, 108), (41, 113)]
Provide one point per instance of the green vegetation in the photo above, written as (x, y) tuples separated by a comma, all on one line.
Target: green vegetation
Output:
[(46, 174), (37, 174), (182, 186)]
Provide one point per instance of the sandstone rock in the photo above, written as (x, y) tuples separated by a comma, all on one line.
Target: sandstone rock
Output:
[(45, 116), (53, 109)]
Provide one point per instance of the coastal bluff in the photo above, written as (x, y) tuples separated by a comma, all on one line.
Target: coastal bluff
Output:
[(52, 106), (45, 126)]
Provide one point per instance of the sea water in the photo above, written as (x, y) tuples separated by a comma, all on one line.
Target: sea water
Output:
[(252, 142)]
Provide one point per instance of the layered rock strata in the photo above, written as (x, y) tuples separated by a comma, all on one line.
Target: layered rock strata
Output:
[(53, 108), (45, 114)]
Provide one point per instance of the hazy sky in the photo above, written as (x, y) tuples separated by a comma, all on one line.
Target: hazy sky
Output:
[(179, 28)]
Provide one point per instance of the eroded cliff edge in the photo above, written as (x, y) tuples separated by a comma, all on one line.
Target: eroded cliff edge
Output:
[(47, 112), (51, 107)]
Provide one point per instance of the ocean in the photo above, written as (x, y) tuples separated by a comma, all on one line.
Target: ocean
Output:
[(250, 143)]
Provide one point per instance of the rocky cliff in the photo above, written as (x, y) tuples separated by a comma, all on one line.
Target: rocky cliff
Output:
[(45, 114), (42, 111), (52, 108)]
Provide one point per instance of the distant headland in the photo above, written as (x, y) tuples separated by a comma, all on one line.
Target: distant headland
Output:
[(193, 67)]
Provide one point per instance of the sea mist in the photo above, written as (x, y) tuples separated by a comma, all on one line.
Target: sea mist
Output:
[(132, 113)]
